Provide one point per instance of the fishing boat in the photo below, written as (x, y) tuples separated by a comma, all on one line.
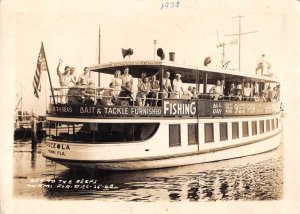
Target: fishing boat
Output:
[(168, 129)]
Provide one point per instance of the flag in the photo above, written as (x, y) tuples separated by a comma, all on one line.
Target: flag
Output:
[(41, 66)]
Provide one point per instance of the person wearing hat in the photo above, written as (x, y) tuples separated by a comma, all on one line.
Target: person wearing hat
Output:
[(260, 64), (177, 86)]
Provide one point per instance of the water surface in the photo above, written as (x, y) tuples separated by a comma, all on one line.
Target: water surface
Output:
[(257, 177)]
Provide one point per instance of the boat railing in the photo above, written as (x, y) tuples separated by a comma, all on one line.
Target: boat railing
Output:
[(108, 96)]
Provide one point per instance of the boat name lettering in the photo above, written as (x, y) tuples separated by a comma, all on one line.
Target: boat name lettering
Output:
[(57, 146), (62, 109), (174, 108)]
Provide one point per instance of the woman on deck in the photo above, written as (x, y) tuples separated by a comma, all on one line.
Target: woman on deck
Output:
[(126, 95), (117, 81), (108, 95)]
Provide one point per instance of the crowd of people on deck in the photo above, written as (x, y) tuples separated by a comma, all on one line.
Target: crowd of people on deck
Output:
[(249, 91), (75, 90), (69, 84)]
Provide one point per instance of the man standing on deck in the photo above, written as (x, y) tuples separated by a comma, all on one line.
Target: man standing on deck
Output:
[(64, 80), (260, 64), (84, 78), (215, 91), (177, 86), (126, 77)]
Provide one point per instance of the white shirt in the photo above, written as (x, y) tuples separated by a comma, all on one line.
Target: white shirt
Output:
[(126, 78), (216, 89), (118, 83), (261, 60), (166, 83), (222, 89), (177, 85), (188, 93), (84, 79), (247, 92)]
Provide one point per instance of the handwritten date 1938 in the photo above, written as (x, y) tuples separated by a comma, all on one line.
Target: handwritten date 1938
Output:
[(169, 4)]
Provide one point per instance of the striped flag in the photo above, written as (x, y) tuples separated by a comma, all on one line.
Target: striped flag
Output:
[(41, 66)]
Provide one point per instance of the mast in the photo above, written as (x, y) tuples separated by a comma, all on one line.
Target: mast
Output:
[(154, 43), (21, 101), (99, 55), (240, 36)]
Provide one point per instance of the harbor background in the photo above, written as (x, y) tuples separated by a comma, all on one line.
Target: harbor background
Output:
[(18, 66)]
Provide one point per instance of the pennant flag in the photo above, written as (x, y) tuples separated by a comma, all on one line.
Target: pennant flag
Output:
[(41, 66)]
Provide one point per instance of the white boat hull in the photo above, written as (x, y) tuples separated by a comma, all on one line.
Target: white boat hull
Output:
[(223, 153)]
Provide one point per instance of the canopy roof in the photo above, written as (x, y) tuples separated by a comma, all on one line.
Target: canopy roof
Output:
[(187, 72)]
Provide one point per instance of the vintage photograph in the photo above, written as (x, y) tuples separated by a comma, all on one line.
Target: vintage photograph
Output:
[(180, 102)]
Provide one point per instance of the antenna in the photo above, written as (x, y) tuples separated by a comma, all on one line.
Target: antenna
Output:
[(222, 45), (240, 35)]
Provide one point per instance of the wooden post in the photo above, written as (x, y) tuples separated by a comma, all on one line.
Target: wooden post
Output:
[(205, 83), (33, 130)]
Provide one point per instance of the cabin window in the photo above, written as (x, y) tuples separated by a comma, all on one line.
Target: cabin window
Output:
[(277, 123), (273, 124), (254, 127), (261, 126), (235, 130), (209, 132), (245, 129), (174, 135), (101, 133), (192, 134), (268, 126), (223, 131)]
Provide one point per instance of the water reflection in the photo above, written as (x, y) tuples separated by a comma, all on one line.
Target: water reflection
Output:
[(33, 153), (256, 177)]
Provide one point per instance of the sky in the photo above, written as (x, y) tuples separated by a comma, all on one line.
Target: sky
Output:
[(69, 30)]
